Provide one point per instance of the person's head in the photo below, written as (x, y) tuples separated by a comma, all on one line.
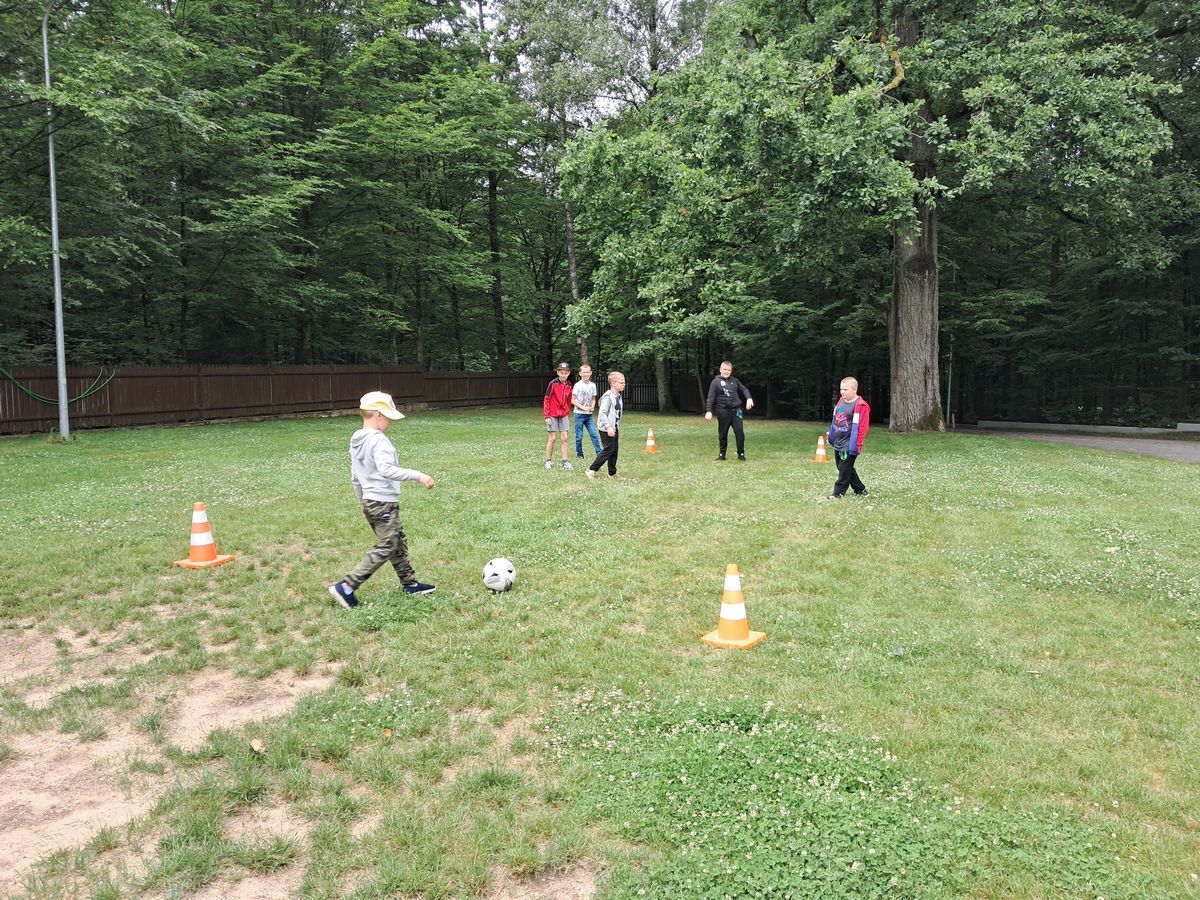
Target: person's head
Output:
[(564, 371), (849, 388), (616, 381), (585, 372), (726, 369), (378, 411)]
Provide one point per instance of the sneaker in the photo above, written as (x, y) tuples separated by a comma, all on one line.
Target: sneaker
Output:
[(833, 497), (591, 473), (567, 465), (419, 587), (579, 457), (617, 476), (549, 464), (720, 458), (863, 492), (344, 594), (741, 457)]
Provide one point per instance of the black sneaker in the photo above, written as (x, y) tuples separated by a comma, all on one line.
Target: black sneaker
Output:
[(741, 457), (344, 594), (863, 492), (720, 458), (419, 587)]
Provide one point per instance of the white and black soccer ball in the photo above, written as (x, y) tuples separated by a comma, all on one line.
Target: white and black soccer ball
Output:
[(499, 574)]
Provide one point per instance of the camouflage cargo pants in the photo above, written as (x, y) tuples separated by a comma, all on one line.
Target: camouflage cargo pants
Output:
[(392, 545)]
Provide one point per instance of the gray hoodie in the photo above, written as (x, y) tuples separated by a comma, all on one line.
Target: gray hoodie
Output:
[(373, 468)]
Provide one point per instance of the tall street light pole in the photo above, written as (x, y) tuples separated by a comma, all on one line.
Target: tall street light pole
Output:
[(64, 427)]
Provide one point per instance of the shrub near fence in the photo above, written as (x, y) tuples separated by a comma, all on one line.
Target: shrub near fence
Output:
[(163, 395)]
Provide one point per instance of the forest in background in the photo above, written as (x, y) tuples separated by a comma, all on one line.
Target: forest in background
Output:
[(981, 205)]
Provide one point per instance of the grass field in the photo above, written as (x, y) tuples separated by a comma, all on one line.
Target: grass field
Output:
[(982, 680)]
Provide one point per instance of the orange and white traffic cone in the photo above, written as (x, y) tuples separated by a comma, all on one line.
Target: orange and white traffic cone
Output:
[(651, 447), (820, 456), (203, 552), (733, 629)]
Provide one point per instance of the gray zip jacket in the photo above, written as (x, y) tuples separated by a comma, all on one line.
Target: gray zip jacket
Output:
[(610, 411), (373, 468)]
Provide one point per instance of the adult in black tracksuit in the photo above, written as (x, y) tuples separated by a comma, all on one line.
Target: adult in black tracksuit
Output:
[(725, 396)]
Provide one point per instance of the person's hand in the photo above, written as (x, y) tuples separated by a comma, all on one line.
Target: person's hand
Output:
[(427, 481), (612, 432), (547, 420), (708, 417), (749, 405)]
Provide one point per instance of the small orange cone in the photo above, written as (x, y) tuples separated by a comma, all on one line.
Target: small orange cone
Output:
[(820, 456), (651, 447), (733, 629), (203, 552)]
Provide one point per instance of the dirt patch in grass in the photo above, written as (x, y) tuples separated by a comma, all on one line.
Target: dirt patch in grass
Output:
[(26, 654), (57, 791), (575, 883), (103, 666), (264, 824), (219, 699), (269, 886)]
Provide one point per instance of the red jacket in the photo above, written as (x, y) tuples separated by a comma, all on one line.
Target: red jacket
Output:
[(557, 402)]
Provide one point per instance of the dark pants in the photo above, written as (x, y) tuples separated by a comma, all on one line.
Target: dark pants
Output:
[(847, 477), (725, 418), (392, 545), (608, 454)]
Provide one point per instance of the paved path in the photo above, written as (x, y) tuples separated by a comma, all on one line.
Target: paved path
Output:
[(1178, 449)]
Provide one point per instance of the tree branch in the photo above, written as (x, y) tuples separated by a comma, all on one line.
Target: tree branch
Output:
[(740, 193)]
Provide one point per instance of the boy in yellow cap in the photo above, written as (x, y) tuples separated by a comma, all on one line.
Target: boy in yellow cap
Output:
[(376, 477)]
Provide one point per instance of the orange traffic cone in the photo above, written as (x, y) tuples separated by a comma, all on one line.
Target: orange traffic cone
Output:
[(651, 447), (203, 552), (820, 456), (733, 629)]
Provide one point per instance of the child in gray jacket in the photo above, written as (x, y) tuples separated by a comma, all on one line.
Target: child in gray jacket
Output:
[(376, 477), (610, 426)]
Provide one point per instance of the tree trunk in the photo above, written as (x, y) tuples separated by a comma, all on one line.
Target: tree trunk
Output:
[(913, 315), (665, 403), (913, 328), (574, 277), (497, 293)]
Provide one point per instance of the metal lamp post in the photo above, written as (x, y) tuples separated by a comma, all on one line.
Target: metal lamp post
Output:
[(64, 427)]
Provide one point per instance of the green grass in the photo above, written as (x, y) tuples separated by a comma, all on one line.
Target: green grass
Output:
[(981, 680)]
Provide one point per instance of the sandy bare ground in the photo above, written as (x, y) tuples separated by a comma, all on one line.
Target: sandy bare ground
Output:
[(575, 883), (219, 699), (57, 791)]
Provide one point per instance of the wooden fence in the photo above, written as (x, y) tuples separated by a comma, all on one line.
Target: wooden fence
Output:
[(161, 395)]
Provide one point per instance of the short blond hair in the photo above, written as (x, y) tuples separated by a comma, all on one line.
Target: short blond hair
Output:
[(851, 380), (614, 375)]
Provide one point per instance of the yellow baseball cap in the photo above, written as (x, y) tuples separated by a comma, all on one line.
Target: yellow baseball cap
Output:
[(378, 401)]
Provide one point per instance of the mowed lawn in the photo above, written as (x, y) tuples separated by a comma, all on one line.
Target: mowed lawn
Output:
[(981, 680)]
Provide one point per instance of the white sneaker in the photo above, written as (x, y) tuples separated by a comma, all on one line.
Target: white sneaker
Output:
[(591, 473), (549, 465), (567, 465)]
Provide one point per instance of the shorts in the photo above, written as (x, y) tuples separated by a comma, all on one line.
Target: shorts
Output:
[(559, 423)]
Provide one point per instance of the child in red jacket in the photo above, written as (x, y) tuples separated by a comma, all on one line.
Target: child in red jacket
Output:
[(847, 431), (556, 407)]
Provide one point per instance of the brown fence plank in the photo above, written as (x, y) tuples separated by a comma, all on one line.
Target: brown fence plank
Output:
[(145, 395)]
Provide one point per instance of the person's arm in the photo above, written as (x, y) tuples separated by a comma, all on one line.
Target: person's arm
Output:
[(745, 392), (604, 421), (546, 401), (384, 455), (864, 425), (712, 398)]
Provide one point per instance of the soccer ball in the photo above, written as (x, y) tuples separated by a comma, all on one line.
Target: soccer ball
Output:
[(499, 574)]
